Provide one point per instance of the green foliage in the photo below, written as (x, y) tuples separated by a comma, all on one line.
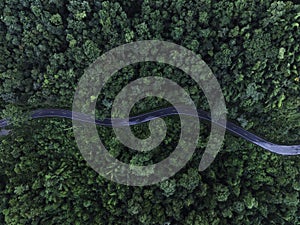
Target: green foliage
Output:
[(168, 187), (222, 193), (190, 180), (15, 114), (252, 48)]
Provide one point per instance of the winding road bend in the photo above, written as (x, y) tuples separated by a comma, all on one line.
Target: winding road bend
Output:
[(231, 127)]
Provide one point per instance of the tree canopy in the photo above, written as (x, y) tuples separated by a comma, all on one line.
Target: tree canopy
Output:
[(253, 50)]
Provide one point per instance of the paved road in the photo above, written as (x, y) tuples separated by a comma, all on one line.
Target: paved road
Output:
[(43, 113)]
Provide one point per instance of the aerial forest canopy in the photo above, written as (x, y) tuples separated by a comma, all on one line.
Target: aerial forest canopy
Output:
[(252, 47)]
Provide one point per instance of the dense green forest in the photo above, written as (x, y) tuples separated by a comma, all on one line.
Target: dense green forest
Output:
[(252, 47)]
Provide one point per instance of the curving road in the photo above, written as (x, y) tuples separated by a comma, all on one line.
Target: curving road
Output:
[(43, 113)]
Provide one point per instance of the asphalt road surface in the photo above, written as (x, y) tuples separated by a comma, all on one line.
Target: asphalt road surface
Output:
[(44, 113)]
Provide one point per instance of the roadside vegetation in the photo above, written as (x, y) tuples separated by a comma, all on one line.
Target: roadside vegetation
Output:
[(252, 48)]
